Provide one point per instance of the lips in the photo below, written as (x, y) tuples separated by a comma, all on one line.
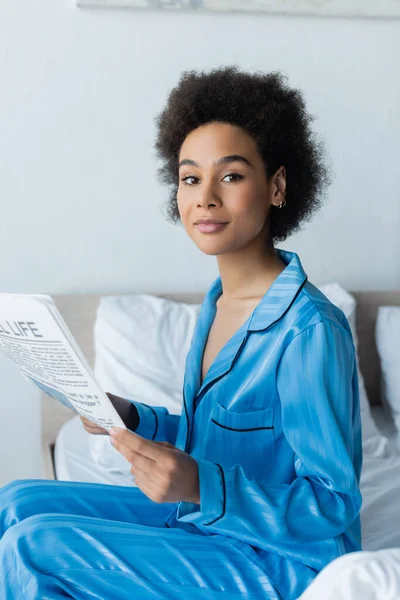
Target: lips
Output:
[(210, 227), (207, 221)]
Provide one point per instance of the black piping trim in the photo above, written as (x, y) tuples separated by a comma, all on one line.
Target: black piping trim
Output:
[(224, 502), (210, 383), (232, 429), (187, 421), (156, 418)]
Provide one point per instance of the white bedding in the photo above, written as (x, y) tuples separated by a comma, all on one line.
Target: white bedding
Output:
[(358, 576)]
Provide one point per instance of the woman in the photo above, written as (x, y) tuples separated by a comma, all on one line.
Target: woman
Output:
[(263, 465)]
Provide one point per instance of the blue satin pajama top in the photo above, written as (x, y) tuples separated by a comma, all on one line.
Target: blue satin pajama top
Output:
[(275, 426)]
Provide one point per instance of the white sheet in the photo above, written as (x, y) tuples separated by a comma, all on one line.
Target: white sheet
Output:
[(386, 425), (380, 487), (358, 576)]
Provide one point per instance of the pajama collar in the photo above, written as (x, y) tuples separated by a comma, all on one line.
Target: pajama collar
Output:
[(273, 305)]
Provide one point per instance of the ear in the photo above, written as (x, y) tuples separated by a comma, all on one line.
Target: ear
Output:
[(279, 186)]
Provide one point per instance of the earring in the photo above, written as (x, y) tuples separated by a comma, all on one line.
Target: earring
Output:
[(282, 204)]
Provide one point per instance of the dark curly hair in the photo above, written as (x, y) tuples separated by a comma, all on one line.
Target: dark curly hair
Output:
[(265, 107)]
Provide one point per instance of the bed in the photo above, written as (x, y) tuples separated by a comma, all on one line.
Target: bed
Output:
[(376, 573)]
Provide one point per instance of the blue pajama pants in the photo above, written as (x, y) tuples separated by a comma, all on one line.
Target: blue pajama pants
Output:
[(92, 541)]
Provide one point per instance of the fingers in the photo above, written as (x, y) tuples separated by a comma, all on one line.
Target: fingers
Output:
[(137, 444), (166, 445), (141, 476), (91, 427), (148, 484), (147, 488), (144, 463)]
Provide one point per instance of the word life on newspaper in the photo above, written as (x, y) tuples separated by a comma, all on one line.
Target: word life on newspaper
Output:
[(34, 336)]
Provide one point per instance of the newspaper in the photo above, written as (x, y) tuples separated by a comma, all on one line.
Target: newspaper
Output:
[(34, 336)]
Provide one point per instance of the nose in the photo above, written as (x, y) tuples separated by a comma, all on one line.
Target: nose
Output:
[(208, 196)]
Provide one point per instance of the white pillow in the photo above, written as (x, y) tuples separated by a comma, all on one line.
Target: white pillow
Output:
[(141, 342), (373, 441), (387, 335)]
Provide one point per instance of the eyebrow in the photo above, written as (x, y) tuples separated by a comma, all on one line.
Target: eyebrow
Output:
[(221, 161)]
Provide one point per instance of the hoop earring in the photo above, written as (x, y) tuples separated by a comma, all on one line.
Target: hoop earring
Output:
[(282, 204)]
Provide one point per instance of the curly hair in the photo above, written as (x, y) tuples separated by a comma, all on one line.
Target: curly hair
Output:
[(266, 108)]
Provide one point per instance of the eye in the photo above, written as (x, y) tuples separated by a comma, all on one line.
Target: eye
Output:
[(191, 179), (235, 175), (186, 179)]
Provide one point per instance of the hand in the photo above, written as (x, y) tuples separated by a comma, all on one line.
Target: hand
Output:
[(162, 472), (91, 427)]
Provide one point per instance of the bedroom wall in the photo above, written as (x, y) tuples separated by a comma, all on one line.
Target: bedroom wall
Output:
[(82, 211)]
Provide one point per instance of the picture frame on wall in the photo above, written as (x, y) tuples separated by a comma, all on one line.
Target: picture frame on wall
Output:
[(339, 8)]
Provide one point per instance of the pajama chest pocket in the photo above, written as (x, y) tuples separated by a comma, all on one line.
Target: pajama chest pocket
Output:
[(245, 438)]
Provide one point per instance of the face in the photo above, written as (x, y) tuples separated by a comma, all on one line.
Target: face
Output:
[(222, 177)]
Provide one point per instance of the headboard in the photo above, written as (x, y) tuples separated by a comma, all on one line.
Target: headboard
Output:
[(79, 312)]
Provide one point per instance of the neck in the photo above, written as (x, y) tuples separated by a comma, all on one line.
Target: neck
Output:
[(248, 272)]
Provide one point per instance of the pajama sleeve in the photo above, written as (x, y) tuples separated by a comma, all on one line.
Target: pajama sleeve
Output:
[(318, 389), (156, 423)]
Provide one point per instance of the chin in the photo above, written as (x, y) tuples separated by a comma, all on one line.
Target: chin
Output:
[(210, 252), (213, 248), (214, 244)]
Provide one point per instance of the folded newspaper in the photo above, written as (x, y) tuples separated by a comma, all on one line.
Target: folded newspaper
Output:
[(35, 337)]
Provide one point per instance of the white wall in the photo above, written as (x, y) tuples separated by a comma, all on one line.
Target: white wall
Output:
[(81, 205)]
